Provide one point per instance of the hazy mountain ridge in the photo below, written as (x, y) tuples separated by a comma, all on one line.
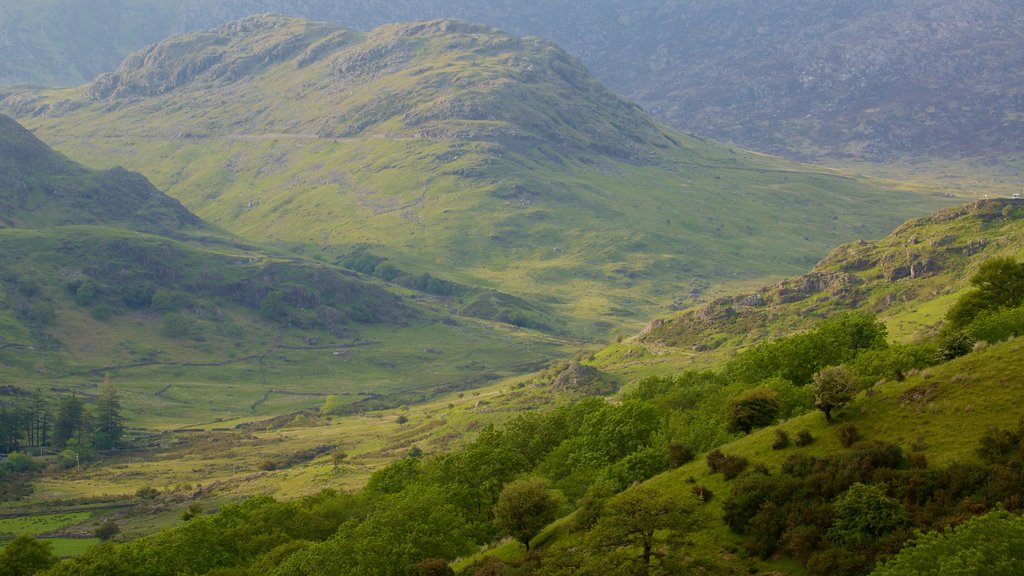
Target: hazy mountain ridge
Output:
[(867, 80), (454, 149)]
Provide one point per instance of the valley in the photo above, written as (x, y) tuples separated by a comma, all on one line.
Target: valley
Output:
[(426, 298)]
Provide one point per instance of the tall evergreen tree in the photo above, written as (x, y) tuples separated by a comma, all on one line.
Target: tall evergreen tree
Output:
[(69, 420), (109, 424)]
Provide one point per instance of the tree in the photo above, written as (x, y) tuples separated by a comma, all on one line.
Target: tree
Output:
[(999, 283), (635, 517), (107, 530), (864, 513), (109, 424), (69, 420), (524, 507), (25, 556), (989, 545), (752, 409), (833, 388)]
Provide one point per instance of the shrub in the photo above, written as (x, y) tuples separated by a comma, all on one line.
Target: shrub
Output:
[(147, 493), (702, 492), (781, 439), (803, 438), (918, 460), (732, 466), (434, 567), (194, 509), (107, 530), (955, 344), (752, 409), (848, 434), (679, 454), (715, 459), (402, 419), (997, 444), (20, 462)]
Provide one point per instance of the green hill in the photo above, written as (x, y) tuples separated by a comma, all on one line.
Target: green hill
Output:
[(103, 275), (908, 278), (458, 150), (40, 188)]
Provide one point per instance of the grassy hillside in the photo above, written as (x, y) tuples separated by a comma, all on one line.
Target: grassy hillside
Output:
[(456, 149), (40, 188), (909, 278), (103, 275)]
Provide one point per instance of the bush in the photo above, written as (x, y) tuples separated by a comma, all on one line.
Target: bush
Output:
[(147, 493), (194, 509), (107, 530), (956, 344), (18, 462), (803, 438), (678, 454), (732, 466), (781, 439), (848, 434), (701, 492), (998, 445), (752, 409), (434, 567), (715, 458)]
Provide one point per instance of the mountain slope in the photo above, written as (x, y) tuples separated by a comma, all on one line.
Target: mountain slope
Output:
[(909, 279), (40, 188), (454, 148), (868, 80), (103, 274)]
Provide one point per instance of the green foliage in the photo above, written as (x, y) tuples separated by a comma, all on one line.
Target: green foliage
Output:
[(803, 438), (165, 300), (999, 283), (524, 507), (732, 465), (892, 363), (273, 307), (109, 424), (403, 530), (988, 545), (175, 325), (107, 530), (752, 409), (639, 518), (848, 434), (864, 513), (19, 462), (25, 556), (69, 420), (833, 388), (781, 439), (797, 358)]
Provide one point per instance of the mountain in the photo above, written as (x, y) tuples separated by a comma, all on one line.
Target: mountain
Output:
[(105, 275), (921, 265), (457, 150), (875, 80), (40, 188)]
